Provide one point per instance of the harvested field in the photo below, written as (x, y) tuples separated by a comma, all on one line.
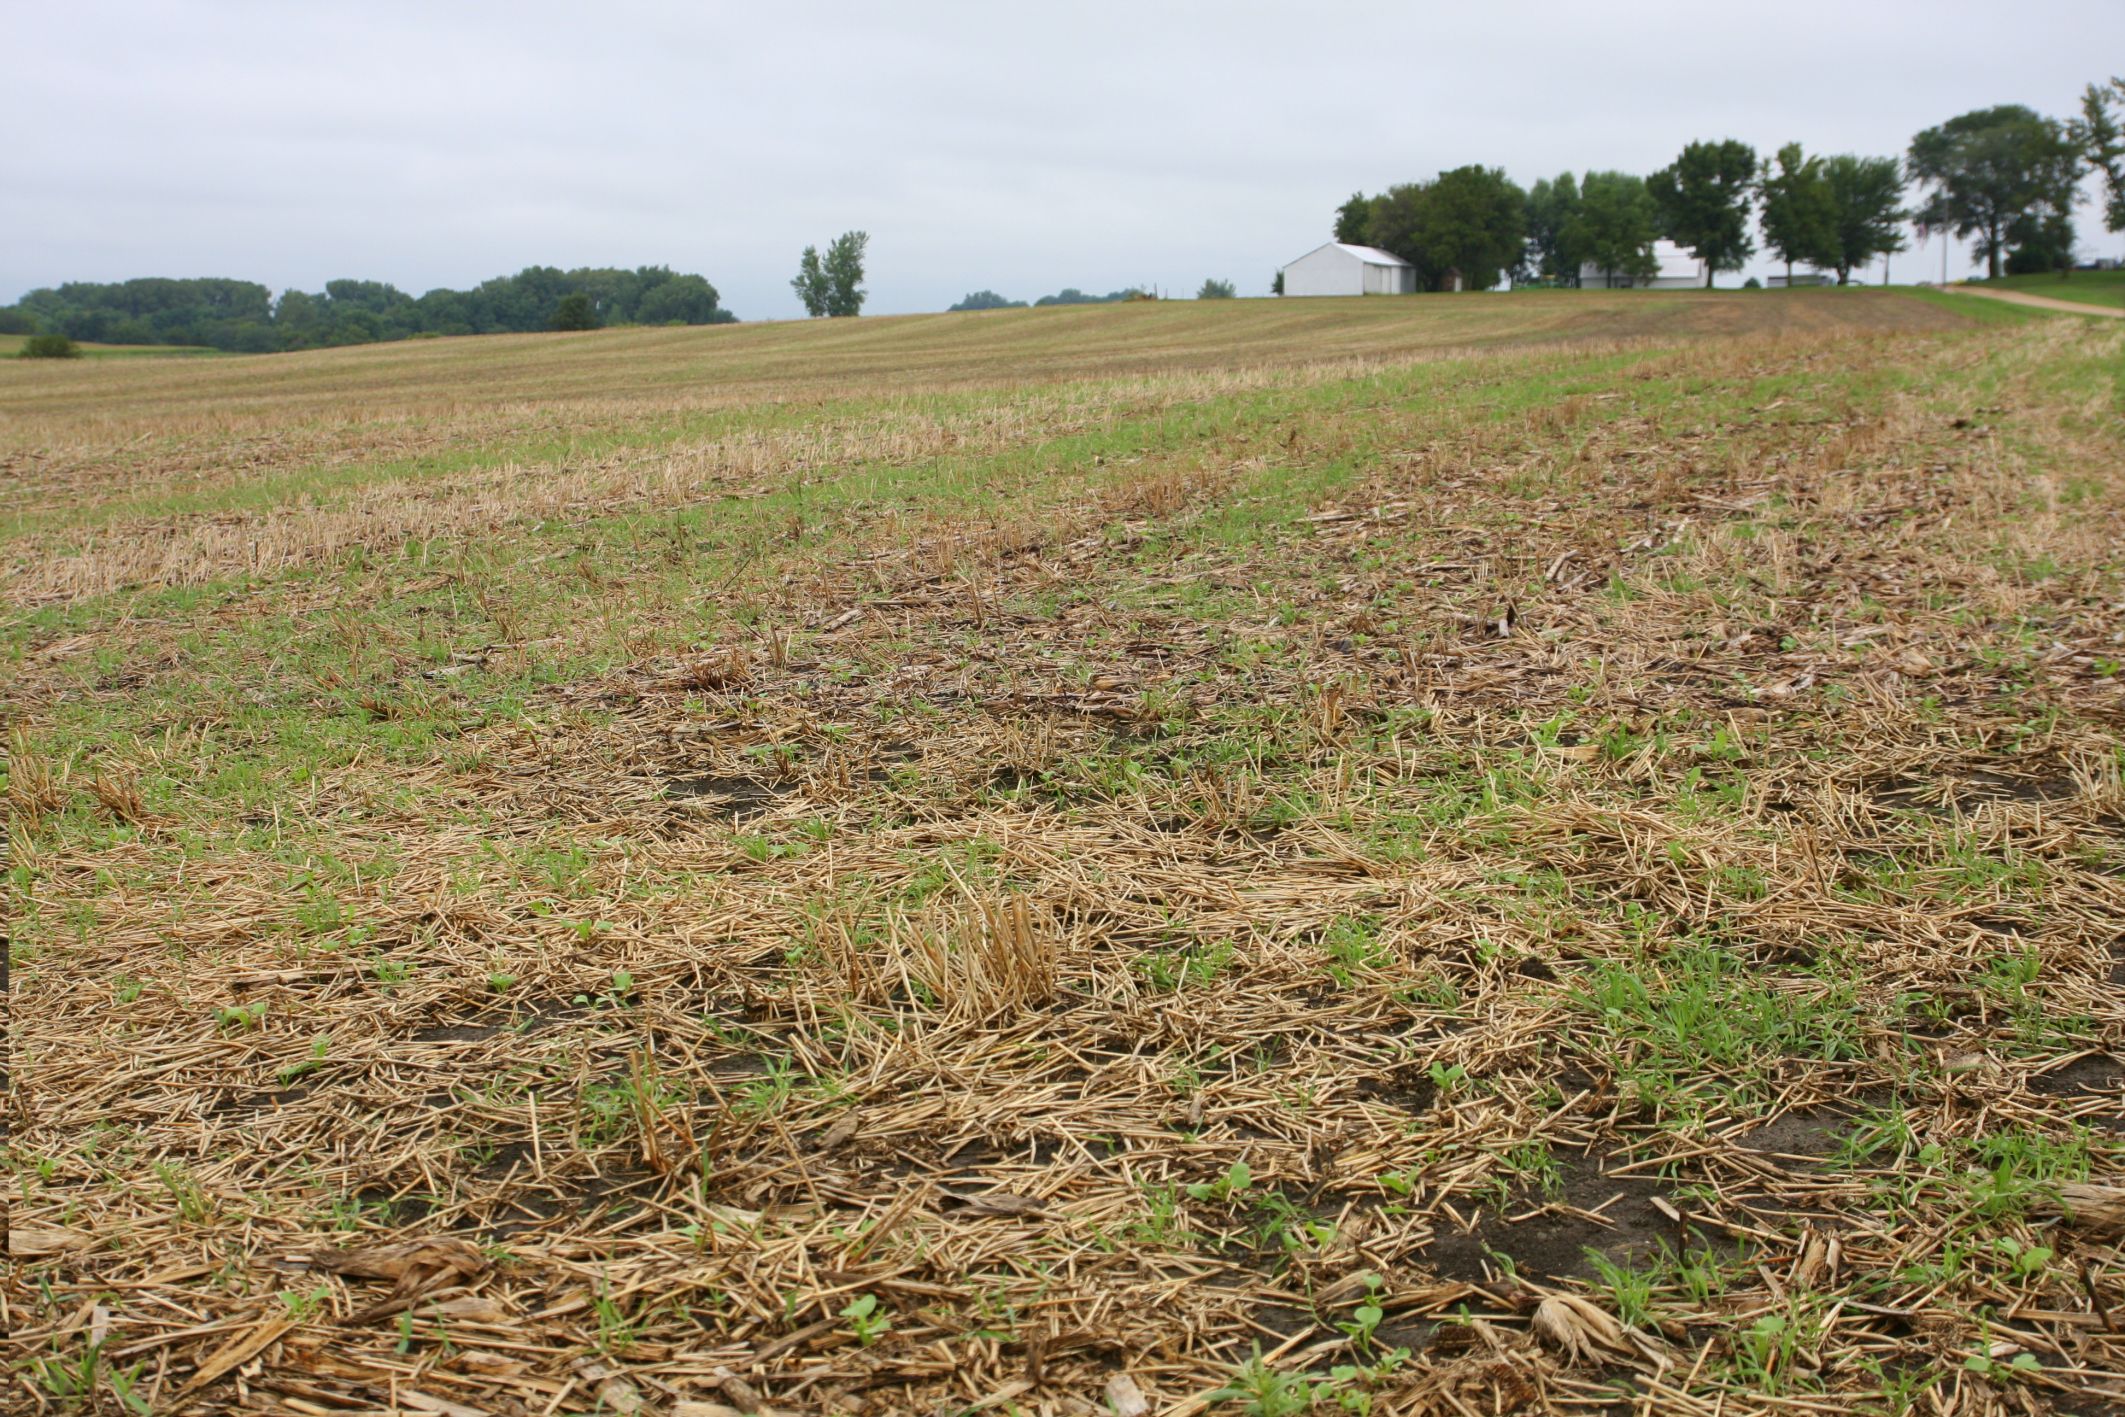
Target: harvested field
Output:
[(1330, 870)]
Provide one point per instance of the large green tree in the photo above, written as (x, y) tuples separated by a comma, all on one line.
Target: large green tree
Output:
[(1615, 226), (1798, 214), (1471, 223), (1703, 198), (2100, 136), (575, 312), (1552, 207), (1474, 227), (831, 285), (811, 283), (844, 273), (1996, 174), (1867, 214), (1354, 219), (1392, 220)]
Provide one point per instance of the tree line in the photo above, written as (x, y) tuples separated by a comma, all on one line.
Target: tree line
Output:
[(244, 316), (1068, 295), (2008, 178)]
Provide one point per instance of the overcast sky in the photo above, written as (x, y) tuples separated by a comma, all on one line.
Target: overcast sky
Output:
[(1020, 148)]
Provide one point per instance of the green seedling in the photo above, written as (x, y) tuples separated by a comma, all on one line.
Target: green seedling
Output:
[(306, 1306), (2023, 1261), (1447, 1080), (613, 996), (311, 1064), (241, 1019), (1987, 1366), (1631, 1289), (1235, 1181), (194, 1205), (615, 1329), (1262, 1391), (1401, 1182), (865, 1322), (500, 983), (126, 989), (1365, 1318)]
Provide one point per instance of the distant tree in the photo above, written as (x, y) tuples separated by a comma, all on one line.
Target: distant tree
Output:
[(1471, 223), (244, 317), (1071, 295), (575, 312), (1798, 215), (1276, 287), (1552, 208), (1475, 226), (1867, 218), (49, 347), (2100, 136), (988, 300), (811, 284), (661, 297), (1990, 169), (17, 322), (831, 285), (1615, 226), (1217, 290), (1354, 220), (1397, 215), (2038, 241), (1703, 199), (844, 273)]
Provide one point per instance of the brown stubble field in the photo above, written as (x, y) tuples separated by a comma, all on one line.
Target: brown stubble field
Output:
[(1392, 877)]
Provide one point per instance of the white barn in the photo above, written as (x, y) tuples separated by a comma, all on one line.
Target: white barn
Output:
[(1342, 269), (1679, 270)]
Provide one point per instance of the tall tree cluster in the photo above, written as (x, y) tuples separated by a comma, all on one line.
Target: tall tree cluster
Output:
[(832, 285), (244, 316), (2007, 176), (1463, 231)]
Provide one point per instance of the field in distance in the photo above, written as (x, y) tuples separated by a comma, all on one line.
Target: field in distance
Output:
[(2082, 287), (1460, 855), (11, 345), (91, 442), (708, 366)]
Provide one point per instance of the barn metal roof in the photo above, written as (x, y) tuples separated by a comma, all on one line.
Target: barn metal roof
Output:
[(1371, 255)]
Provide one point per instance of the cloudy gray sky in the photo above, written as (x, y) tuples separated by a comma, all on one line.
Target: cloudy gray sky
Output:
[(1019, 147)]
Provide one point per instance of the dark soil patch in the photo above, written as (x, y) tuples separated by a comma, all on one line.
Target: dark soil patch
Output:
[(1554, 1243), (1992, 787), (733, 798), (1808, 1133), (2096, 1073), (1966, 790), (1408, 1087)]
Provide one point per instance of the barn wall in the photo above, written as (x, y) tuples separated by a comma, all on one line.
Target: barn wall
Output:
[(1328, 271)]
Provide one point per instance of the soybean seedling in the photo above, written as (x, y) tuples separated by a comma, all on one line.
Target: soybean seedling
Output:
[(1365, 1319), (865, 1321), (1236, 1180), (311, 1064), (240, 1019)]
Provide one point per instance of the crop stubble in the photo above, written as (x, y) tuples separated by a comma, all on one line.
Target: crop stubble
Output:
[(1678, 818)]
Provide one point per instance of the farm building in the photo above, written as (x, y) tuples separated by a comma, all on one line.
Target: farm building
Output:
[(1342, 269), (1679, 270)]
